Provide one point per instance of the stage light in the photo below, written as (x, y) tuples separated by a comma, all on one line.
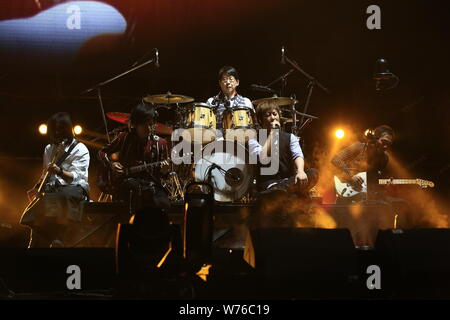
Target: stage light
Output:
[(339, 133), (43, 129), (77, 129)]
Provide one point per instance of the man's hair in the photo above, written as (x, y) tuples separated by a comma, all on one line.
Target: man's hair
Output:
[(228, 70), (380, 130), (59, 125), (265, 107), (142, 113)]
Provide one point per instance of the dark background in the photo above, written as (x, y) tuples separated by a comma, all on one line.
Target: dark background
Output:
[(329, 39)]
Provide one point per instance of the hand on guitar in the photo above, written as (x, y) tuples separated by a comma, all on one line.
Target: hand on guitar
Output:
[(165, 168), (54, 169), (117, 167), (357, 182)]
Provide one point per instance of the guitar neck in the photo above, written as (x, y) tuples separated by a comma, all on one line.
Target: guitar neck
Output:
[(58, 151), (143, 167), (397, 181)]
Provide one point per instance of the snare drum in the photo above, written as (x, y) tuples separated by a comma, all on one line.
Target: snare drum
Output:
[(238, 123), (200, 124)]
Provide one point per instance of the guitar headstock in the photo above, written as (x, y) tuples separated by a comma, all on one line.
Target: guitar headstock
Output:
[(425, 183)]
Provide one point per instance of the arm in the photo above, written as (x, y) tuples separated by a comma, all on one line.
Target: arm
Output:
[(68, 176), (113, 147), (254, 148), (266, 149), (78, 167), (342, 158), (299, 161), (164, 156)]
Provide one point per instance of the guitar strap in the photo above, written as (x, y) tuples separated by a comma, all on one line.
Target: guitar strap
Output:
[(66, 154)]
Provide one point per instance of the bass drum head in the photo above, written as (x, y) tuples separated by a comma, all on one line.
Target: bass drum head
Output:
[(225, 166)]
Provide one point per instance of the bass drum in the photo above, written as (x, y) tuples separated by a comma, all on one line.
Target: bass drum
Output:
[(225, 165)]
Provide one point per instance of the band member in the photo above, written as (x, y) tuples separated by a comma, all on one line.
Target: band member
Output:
[(138, 146), (291, 160), (370, 156), (67, 162), (228, 98), (291, 178)]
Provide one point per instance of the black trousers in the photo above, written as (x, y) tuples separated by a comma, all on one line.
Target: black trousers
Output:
[(289, 185), (282, 203), (141, 193)]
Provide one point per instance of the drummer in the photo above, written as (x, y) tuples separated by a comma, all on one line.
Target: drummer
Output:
[(228, 98)]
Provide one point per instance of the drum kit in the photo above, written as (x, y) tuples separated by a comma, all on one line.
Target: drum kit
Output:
[(231, 181), (227, 167)]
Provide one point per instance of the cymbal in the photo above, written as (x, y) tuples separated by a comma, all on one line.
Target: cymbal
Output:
[(119, 117), (123, 118), (168, 98), (279, 101)]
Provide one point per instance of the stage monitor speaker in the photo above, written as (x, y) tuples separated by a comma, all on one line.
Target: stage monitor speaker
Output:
[(46, 270), (362, 219), (415, 263), (303, 262)]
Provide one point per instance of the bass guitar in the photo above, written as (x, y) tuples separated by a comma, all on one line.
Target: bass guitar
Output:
[(346, 189)]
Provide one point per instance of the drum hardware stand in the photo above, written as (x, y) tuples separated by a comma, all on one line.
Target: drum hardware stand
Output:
[(174, 186), (105, 197), (98, 87)]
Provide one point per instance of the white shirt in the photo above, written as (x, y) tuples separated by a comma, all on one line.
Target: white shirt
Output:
[(77, 163), (221, 103), (255, 148)]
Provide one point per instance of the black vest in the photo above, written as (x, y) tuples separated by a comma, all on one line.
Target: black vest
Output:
[(287, 166)]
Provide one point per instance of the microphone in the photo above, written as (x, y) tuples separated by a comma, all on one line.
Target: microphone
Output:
[(156, 58), (275, 125), (261, 88), (283, 56)]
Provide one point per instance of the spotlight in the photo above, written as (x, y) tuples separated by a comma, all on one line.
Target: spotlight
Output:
[(339, 133), (77, 129), (43, 129)]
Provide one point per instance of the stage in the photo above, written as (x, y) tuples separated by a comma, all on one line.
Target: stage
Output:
[(224, 150)]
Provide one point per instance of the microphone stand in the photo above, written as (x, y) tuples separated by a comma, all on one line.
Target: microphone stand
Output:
[(312, 83), (98, 87), (283, 79)]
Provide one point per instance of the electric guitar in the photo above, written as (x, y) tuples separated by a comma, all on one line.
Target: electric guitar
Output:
[(346, 189), (108, 181), (59, 151)]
